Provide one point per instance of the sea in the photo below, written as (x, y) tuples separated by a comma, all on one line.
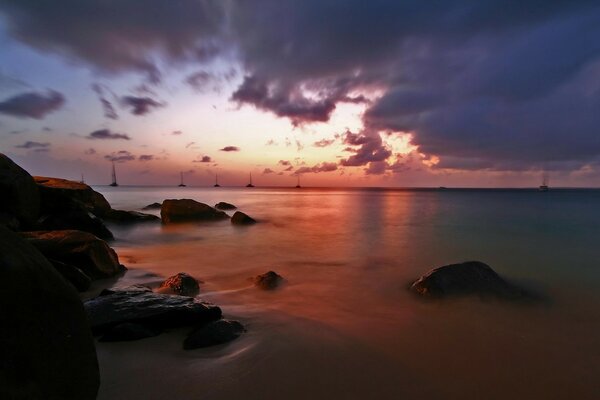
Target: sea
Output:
[(344, 325)]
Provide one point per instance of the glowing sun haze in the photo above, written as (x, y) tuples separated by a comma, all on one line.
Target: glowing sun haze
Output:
[(344, 93)]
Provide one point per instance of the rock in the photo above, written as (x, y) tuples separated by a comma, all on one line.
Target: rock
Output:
[(184, 210), (80, 249), (72, 274), (239, 218), (213, 333), (19, 194), (182, 284), (268, 281), (467, 278), (225, 206), (75, 218), (45, 340), (60, 194), (128, 331), (9, 221), (154, 310), (153, 206), (128, 217)]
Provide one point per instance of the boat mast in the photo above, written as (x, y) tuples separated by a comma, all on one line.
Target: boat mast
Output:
[(114, 175)]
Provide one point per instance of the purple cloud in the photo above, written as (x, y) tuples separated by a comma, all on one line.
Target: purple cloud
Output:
[(146, 157), (230, 148), (120, 156), (32, 104), (140, 105), (33, 145), (103, 134)]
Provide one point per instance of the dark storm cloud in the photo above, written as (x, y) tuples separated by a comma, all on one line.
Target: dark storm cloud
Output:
[(109, 110), (107, 134), (230, 148), (140, 105), (33, 145), (120, 156), (371, 149), (32, 104)]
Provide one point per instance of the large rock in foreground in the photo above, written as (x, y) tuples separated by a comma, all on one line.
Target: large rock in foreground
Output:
[(144, 307), (18, 192), (80, 249), (186, 210), (76, 217), (47, 351), (213, 333), (57, 194), (467, 278)]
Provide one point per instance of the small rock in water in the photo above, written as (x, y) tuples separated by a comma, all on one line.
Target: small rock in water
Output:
[(467, 278), (225, 206), (128, 331), (153, 206), (187, 210), (239, 218), (268, 281), (182, 284), (213, 333)]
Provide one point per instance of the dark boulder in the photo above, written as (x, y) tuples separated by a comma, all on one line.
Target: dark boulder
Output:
[(213, 333), (467, 278), (9, 221), (47, 351), (181, 284), (153, 310), (268, 281), (72, 274), (129, 217), (19, 194), (128, 331), (239, 218), (225, 206), (75, 217), (153, 206), (80, 249), (59, 194), (185, 210)]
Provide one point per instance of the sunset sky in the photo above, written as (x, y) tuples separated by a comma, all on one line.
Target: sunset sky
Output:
[(345, 93)]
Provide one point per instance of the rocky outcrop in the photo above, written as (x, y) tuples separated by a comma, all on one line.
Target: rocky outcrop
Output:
[(9, 221), (239, 218), (72, 274), (19, 195), (74, 217), (182, 284), (81, 249), (129, 217), (213, 333), (224, 206), (45, 341), (153, 206), (467, 278), (153, 310), (57, 194), (268, 281), (186, 210), (128, 331)]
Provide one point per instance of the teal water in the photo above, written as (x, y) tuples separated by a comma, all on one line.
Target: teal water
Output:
[(344, 326)]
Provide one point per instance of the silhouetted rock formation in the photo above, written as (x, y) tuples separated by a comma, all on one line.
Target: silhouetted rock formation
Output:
[(185, 210), (72, 274), (467, 278), (153, 206), (129, 217), (268, 281), (142, 306), (74, 217), (56, 194), (45, 341), (9, 221), (80, 249), (19, 195), (213, 333), (181, 284), (239, 218), (225, 206)]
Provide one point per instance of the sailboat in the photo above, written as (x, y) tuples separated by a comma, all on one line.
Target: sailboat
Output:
[(249, 185), (216, 181), (298, 184), (114, 176), (544, 186), (181, 184), (82, 180)]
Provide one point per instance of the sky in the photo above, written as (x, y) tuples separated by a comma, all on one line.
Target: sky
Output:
[(341, 93)]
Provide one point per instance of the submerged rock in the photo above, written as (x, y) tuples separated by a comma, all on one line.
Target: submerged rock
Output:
[(128, 331), (153, 206), (80, 249), (154, 310), (467, 278), (182, 284), (239, 218), (128, 217), (185, 210), (268, 281), (57, 194), (19, 195), (213, 333), (225, 206), (45, 340)]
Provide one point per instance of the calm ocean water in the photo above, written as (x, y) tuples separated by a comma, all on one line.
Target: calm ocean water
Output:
[(344, 325)]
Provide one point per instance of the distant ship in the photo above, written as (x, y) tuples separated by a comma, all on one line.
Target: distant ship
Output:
[(544, 186), (249, 185), (181, 184), (114, 176), (298, 184), (216, 181)]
